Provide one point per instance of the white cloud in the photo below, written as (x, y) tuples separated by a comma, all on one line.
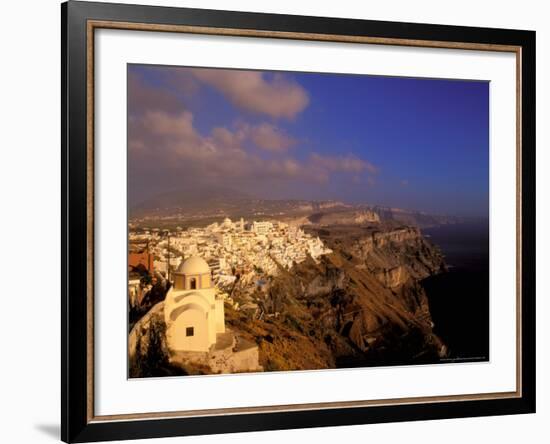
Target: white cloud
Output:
[(276, 97)]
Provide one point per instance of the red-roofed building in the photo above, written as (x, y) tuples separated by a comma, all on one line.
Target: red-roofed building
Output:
[(143, 258)]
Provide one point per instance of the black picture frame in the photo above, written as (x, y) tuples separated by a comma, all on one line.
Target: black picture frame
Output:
[(77, 425)]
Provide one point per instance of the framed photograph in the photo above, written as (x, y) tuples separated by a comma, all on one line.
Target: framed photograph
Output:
[(275, 221)]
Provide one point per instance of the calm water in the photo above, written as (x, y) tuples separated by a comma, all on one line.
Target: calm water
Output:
[(459, 299)]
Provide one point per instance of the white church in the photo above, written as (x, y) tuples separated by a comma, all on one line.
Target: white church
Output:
[(195, 323), (193, 309)]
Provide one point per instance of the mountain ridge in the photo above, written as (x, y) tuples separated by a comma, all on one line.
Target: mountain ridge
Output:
[(210, 203)]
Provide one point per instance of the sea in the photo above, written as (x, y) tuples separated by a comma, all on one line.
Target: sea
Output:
[(459, 298)]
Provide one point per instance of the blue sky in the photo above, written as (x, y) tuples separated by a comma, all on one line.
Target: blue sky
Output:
[(411, 143)]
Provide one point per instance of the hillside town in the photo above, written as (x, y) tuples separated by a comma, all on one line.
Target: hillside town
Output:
[(243, 248)]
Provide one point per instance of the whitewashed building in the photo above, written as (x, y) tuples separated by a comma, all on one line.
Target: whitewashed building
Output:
[(193, 309)]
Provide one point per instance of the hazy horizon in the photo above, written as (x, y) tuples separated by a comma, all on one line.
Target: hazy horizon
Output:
[(139, 205), (417, 144)]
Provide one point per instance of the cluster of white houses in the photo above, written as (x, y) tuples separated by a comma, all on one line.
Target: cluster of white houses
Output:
[(234, 247)]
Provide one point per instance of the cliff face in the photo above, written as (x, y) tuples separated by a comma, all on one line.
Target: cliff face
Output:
[(362, 305), (396, 256), (414, 218), (343, 216)]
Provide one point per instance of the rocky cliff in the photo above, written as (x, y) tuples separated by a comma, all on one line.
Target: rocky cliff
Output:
[(362, 305), (397, 255), (343, 216)]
